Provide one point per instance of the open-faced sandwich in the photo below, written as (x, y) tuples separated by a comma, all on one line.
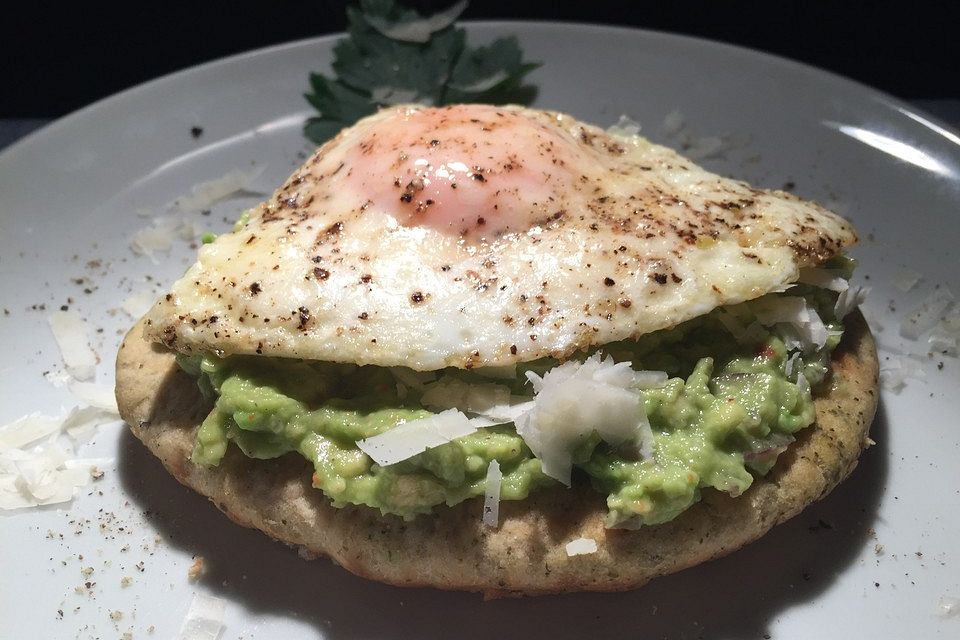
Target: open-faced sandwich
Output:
[(462, 346)]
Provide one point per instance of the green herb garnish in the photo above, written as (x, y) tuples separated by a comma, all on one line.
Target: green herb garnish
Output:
[(393, 55)]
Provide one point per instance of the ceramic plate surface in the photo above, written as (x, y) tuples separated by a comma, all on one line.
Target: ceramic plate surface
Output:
[(878, 558)]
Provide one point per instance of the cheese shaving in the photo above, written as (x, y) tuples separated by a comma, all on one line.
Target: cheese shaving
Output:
[(944, 338), (650, 379), (948, 607), (790, 364), (393, 96), (137, 304), (951, 323), (28, 429), (873, 318), (705, 148), (483, 84), (796, 313), (743, 334), (416, 436), (69, 330), (577, 399), (449, 392), (673, 123), (581, 547), (823, 278), (926, 316), (204, 619), (206, 194), (417, 29), (848, 300), (625, 127), (58, 377), (82, 422), (96, 395), (158, 237), (489, 400), (411, 378), (895, 376), (571, 402), (37, 464), (941, 342), (906, 279), (491, 500), (803, 385)]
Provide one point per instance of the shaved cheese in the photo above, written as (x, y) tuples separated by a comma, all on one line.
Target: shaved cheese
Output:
[(775, 443), (452, 393), (204, 619), (705, 147), (895, 376), (39, 476), (483, 84), (576, 399), (849, 299), (492, 401), (137, 304), (100, 396), (581, 546), (37, 465), (491, 500), (571, 401), (941, 342), (82, 422), (416, 436), (743, 334), (58, 377), (948, 607), (411, 378), (45, 477), (393, 96), (417, 29), (69, 330), (944, 338), (625, 127), (906, 279), (951, 323), (650, 379), (673, 123), (28, 429), (803, 385), (798, 314), (789, 365), (158, 237), (206, 194), (926, 316), (823, 278)]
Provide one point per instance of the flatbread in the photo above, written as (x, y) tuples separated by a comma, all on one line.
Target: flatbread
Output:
[(452, 549)]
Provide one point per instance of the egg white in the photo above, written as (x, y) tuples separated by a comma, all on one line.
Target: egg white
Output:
[(477, 236)]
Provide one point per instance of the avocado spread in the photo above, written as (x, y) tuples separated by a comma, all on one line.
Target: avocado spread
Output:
[(737, 391)]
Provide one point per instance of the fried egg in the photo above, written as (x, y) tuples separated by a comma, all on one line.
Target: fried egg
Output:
[(480, 236)]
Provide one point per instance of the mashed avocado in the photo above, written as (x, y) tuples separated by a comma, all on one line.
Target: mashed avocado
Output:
[(736, 394)]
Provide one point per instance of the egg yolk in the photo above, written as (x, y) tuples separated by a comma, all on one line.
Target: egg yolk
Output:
[(470, 170)]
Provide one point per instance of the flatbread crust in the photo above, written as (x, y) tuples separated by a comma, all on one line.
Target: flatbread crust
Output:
[(452, 549)]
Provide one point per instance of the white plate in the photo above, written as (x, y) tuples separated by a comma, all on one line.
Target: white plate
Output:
[(71, 193)]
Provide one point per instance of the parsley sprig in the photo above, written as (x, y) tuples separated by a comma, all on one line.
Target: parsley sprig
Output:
[(393, 55)]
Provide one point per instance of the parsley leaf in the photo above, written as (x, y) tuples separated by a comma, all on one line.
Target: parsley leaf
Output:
[(393, 55)]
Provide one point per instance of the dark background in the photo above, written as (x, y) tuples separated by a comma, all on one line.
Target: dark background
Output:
[(62, 57)]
